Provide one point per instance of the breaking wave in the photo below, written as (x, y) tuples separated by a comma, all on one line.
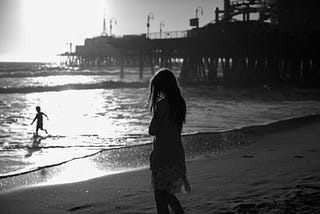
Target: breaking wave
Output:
[(101, 85)]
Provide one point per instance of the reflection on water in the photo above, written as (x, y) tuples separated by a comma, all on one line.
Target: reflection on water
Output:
[(89, 112), (35, 146), (80, 122), (84, 122), (123, 159)]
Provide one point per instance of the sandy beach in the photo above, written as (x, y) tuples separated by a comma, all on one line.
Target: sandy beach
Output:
[(278, 173)]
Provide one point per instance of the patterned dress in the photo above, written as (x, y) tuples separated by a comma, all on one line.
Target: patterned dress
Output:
[(167, 160)]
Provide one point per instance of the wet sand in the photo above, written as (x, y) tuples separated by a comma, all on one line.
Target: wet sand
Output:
[(278, 173)]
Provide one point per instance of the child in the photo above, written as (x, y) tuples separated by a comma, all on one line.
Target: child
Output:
[(167, 160), (39, 118)]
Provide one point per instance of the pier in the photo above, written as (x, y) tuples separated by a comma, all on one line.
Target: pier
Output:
[(248, 41)]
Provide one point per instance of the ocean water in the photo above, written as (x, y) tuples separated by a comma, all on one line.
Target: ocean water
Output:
[(93, 111)]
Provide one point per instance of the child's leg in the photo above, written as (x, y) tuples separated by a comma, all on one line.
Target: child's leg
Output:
[(44, 130), (37, 131)]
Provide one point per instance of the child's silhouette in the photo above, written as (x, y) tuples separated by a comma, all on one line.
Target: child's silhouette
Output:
[(39, 118)]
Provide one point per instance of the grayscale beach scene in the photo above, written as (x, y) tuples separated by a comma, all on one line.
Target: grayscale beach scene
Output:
[(81, 92)]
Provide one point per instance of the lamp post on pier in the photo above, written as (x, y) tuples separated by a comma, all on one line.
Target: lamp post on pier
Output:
[(104, 29), (115, 22), (161, 27), (199, 9), (70, 46), (149, 17), (69, 53)]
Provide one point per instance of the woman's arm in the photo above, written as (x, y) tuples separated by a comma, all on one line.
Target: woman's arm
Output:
[(153, 125), (157, 117)]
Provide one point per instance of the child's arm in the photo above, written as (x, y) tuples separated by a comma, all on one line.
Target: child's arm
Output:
[(46, 116), (34, 119)]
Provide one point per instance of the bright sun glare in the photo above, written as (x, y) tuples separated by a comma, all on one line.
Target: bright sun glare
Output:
[(48, 25)]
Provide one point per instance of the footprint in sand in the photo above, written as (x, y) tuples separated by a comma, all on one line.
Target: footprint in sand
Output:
[(116, 207), (77, 208), (298, 156), (128, 195)]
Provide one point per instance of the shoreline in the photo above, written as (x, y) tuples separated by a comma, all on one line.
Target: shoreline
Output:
[(279, 173), (196, 147)]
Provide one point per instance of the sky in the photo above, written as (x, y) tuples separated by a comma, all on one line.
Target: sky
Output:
[(38, 30)]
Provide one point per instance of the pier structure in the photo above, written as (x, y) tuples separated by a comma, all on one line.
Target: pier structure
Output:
[(248, 41), (95, 52)]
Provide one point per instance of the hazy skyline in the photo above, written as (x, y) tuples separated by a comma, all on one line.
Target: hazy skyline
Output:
[(38, 30)]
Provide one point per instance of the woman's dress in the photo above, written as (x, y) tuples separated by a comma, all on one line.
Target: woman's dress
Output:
[(167, 160)]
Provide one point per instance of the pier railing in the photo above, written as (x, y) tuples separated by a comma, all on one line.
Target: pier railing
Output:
[(168, 35), (154, 35)]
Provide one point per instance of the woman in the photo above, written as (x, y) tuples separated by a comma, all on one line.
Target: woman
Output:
[(167, 160)]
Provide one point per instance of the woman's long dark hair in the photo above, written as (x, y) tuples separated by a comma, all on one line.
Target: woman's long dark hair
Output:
[(165, 82)]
